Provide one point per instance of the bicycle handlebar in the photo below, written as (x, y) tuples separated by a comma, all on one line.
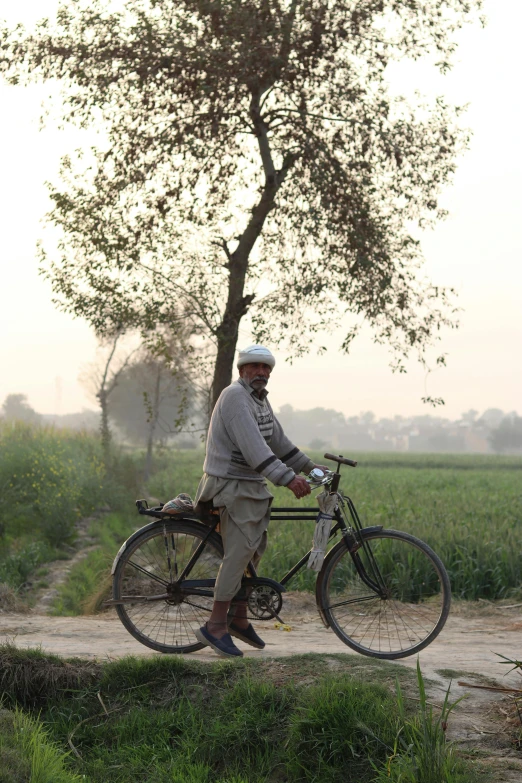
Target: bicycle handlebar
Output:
[(342, 460)]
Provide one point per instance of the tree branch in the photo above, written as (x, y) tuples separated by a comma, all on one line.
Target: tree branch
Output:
[(260, 130)]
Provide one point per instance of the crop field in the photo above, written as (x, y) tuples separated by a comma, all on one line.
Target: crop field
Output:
[(48, 480), (467, 507)]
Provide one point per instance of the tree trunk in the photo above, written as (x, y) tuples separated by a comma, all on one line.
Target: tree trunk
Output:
[(152, 428), (105, 431), (237, 303)]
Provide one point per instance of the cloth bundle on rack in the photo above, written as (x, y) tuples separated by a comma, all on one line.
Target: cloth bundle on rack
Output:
[(178, 505)]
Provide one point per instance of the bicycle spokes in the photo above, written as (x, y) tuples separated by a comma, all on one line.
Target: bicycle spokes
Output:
[(399, 614)]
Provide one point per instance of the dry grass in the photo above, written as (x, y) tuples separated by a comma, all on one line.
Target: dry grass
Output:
[(10, 599), (31, 678)]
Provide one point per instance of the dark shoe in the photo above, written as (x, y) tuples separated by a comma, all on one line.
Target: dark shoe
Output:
[(224, 646), (247, 635)]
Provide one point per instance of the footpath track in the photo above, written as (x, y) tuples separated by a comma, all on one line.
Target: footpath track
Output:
[(466, 644)]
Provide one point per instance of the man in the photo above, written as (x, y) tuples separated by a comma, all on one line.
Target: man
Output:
[(245, 446)]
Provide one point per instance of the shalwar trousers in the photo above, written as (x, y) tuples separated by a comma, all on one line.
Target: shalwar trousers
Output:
[(244, 512)]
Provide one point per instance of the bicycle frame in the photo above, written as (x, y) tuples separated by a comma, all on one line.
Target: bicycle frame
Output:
[(354, 536)]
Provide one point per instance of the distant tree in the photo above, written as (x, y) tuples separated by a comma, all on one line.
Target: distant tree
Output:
[(249, 141), (101, 379), (318, 425), (367, 418), (16, 407), (317, 444), (469, 417), (492, 417), (508, 435), (151, 402)]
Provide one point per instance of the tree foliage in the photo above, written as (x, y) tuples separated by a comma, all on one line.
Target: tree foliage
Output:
[(253, 163), (153, 401), (507, 437), (16, 408)]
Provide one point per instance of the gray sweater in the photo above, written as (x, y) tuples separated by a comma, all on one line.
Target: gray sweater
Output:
[(246, 441)]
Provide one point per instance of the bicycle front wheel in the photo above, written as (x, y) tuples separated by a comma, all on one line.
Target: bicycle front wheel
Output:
[(150, 567), (389, 599)]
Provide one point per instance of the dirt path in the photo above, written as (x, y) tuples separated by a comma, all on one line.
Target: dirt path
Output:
[(58, 570), (468, 642)]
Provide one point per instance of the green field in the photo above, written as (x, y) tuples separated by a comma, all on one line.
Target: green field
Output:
[(169, 720), (468, 508)]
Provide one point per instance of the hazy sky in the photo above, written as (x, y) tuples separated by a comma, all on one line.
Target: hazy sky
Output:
[(477, 250)]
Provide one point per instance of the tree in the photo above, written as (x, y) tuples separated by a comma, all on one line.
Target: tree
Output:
[(152, 402), (253, 165), (507, 437), (16, 407), (469, 417), (102, 379), (491, 418)]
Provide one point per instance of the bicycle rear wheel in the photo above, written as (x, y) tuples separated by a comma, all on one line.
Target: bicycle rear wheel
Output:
[(407, 607), (150, 566)]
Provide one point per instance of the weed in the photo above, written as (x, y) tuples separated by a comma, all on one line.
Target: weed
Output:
[(338, 728), (28, 754), (421, 752), (516, 702), (11, 600)]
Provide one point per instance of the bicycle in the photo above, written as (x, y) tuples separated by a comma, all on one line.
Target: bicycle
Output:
[(384, 593)]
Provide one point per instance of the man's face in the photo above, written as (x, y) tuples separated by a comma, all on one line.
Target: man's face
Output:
[(256, 374)]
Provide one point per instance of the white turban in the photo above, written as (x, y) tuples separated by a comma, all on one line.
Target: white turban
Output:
[(254, 354)]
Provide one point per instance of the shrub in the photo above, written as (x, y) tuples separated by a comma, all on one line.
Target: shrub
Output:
[(50, 479)]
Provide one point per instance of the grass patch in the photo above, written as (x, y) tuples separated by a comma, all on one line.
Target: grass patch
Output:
[(28, 755), (166, 719), (31, 678), (89, 582), (339, 730), (474, 677), (421, 753)]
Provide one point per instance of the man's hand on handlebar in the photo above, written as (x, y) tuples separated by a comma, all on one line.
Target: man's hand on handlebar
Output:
[(299, 486)]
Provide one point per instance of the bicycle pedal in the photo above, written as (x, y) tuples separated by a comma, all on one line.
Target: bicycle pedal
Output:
[(282, 627)]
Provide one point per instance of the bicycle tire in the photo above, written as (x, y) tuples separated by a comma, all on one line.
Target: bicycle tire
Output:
[(167, 625), (408, 618)]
